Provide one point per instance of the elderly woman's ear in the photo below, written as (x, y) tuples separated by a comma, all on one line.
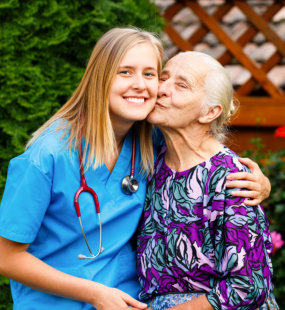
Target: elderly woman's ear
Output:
[(210, 114)]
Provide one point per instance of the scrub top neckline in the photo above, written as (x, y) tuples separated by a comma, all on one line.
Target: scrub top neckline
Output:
[(125, 152), (121, 168)]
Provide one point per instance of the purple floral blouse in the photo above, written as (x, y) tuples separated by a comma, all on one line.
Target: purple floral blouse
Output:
[(195, 236)]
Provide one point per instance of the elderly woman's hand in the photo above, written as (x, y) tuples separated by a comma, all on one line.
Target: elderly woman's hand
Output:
[(257, 185)]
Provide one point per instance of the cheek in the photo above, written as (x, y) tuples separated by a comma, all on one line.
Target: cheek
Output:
[(119, 86), (153, 88)]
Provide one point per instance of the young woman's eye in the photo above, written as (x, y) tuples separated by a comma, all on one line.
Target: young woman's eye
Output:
[(125, 72), (162, 79), (149, 74)]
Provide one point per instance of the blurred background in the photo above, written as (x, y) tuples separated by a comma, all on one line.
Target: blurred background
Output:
[(45, 46)]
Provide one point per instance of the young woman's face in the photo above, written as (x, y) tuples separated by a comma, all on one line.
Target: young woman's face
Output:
[(134, 90)]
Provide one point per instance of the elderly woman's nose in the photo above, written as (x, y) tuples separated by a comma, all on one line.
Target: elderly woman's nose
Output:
[(163, 89)]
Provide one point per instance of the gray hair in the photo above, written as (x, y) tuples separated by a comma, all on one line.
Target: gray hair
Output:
[(219, 91)]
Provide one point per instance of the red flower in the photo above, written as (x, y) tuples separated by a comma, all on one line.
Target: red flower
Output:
[(276, 240), (280, 132)]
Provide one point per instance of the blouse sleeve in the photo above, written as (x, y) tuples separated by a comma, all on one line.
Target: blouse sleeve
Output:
[(25, 200), (242, 247)]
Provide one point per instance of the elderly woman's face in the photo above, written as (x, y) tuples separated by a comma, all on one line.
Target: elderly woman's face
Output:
[(181, 92)]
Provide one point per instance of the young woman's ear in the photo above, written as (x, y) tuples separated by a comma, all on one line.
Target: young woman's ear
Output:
[(211, 114)]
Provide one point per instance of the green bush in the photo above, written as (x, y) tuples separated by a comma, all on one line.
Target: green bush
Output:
[(5, 296), (273, 165), (45, 45)]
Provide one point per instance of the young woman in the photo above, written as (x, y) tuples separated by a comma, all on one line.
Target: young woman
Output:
[(199, 247), (41, 237)]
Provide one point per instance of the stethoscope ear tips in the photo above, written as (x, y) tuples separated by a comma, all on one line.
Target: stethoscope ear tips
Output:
[(81, 256)]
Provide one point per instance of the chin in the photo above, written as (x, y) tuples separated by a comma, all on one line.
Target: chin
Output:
[(153, 118), (141, 115), (137, 118)]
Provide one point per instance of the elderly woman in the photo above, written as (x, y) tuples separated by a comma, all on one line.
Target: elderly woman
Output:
[(199, 247)]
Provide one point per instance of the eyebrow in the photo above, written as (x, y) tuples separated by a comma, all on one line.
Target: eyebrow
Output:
[(179, 77), (131, 67)]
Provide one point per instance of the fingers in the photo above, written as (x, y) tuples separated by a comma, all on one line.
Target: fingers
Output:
[(133, 302), (253, 202), (249, 163), (245, 194), (254, 196), (250, 185), (241, 176), (256, 182)]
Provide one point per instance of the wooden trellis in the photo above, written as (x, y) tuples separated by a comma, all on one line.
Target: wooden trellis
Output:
[(264, 110)]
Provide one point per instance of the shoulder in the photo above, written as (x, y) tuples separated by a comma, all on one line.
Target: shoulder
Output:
[(216, 169), (44, 151), (227, 160)]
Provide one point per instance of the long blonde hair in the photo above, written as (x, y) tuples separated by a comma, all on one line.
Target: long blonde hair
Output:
[(87, 111)]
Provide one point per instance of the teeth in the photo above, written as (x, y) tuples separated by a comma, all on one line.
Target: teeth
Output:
[(136, 100)]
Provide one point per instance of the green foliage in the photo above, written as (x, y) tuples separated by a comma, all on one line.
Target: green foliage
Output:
[(273, 165), (5, 296), (44, 47)]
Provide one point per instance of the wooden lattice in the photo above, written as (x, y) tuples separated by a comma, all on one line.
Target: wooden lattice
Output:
[(264, 110)]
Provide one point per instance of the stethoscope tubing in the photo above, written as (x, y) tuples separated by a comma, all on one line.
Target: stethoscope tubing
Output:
[(133, 155), (85, 188), (129, 186)]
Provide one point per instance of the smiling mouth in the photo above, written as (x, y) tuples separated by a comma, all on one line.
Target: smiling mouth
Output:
[(135, 99)]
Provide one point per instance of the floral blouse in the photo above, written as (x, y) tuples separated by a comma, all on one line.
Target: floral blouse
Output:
[(195, 237)]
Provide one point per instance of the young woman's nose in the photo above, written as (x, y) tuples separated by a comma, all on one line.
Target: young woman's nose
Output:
[(139, 82)]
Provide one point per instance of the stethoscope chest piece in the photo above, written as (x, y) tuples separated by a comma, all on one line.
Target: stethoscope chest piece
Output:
[(130, 185)]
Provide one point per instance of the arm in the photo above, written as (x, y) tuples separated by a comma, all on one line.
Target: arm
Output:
[(257, 184), (28, 194), (16, 263), (242, 260)]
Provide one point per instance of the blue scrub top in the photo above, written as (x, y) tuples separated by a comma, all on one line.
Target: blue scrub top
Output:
[(38, 208)]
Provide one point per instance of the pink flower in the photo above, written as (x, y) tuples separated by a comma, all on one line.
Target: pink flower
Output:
[(276, 240), (280, 132)]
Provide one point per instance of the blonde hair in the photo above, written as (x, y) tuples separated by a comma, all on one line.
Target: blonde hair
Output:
[(219, 91), (87, 111)]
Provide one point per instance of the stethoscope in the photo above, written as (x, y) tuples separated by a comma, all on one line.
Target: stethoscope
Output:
[(129, 185)]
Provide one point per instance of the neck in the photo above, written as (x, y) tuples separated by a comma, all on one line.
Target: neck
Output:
[(120, 134), (189, 147)]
